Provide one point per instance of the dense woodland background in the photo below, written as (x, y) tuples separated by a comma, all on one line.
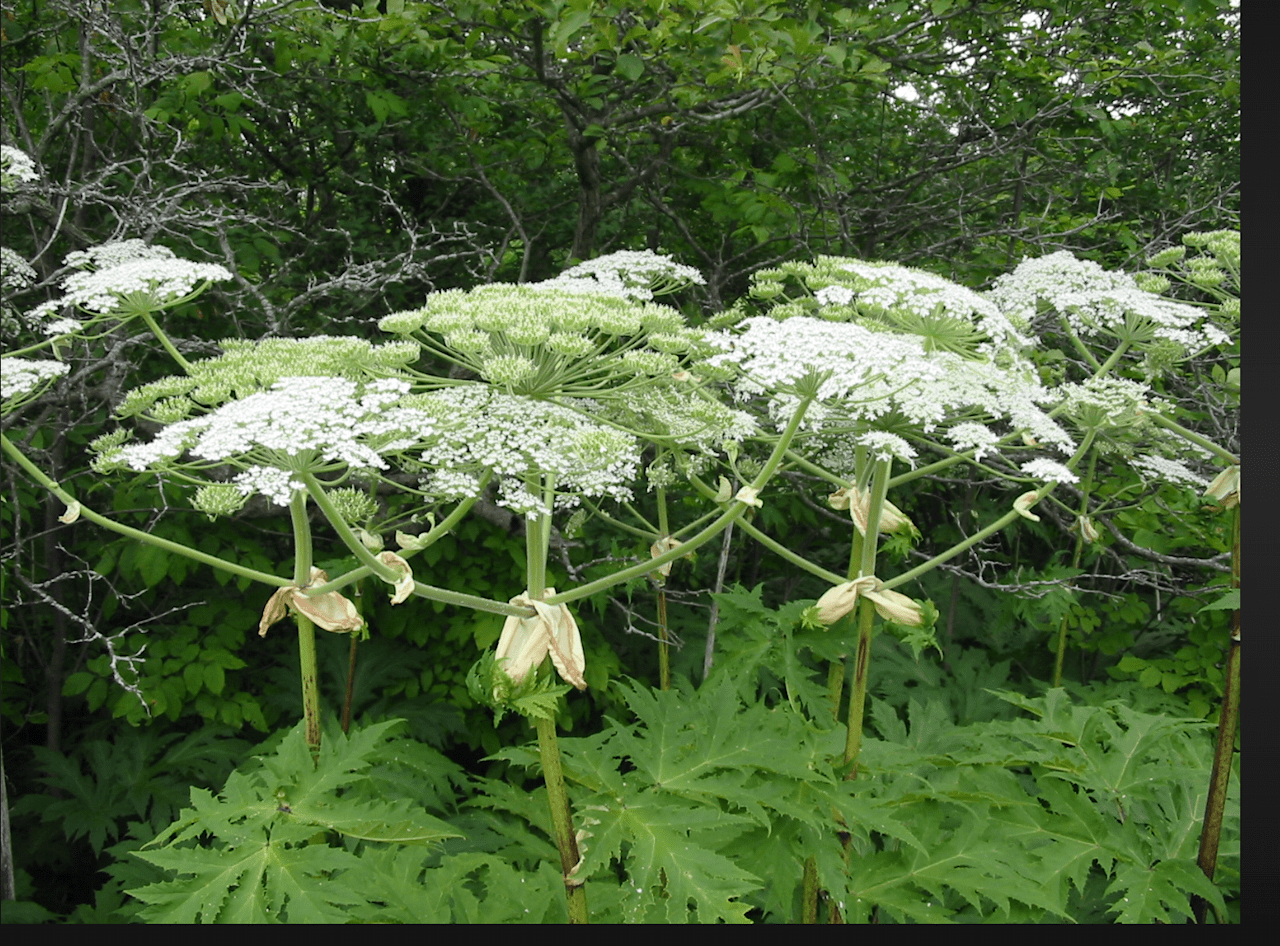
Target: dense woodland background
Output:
[(343, 159)]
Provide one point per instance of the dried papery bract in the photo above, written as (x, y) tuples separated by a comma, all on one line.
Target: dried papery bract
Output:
[(1225, 487), (665, 544), (525, 642), (1024, 503), (330, 611), (858, 502), (893, 606), (404, 584)]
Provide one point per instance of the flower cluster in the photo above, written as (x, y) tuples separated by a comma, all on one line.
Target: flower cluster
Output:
[(21, 378), (864, 377), (1172, 471), (943, 314), (15, 272), (129, 278), (15, 166), (302, 424), (1103, 403), (627, 274), (1096, 302), (525, 443)]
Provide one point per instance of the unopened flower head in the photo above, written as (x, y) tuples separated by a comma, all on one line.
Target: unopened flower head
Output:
[(129, 278), (247, 367), (302, 424)]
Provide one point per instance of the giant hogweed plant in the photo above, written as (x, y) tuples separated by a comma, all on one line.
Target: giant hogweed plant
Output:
[(557, 394)]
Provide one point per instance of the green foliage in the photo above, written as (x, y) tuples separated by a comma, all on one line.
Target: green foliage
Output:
[(139, 775), (704, 808), (261, 854)]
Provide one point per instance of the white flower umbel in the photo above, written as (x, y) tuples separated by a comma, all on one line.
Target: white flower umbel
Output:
[(866, 376), (1095, 302), (1049, 470), (16, 166), (976, 437), (21, 379), (930, 306), (1101, 403), (887, 446), (1171, 471), (129, 278), (303, 424), (944, 315), (15, 272), (523, 442), (627, 273)]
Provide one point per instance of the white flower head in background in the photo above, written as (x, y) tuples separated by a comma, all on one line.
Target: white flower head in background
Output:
[(1169, 470), (15, 272), (16, 166), (630, 274), (22, 379), (525, 443), (1050, 470), (1096, 302), (865, 375), (128, 278)]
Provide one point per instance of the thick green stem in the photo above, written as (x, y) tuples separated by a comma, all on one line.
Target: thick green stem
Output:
[(310, 686), (306, 629), (1077, 553), (561, 819), (537, 542), (866, 619), (152, 324), (664, 645), (721, 522), (858, 696)]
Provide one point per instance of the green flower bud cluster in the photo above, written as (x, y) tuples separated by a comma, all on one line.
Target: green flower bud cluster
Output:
[(219, 499), (247, 367), (355, 506), (1214, 272), (888, 297), (548, 342)]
